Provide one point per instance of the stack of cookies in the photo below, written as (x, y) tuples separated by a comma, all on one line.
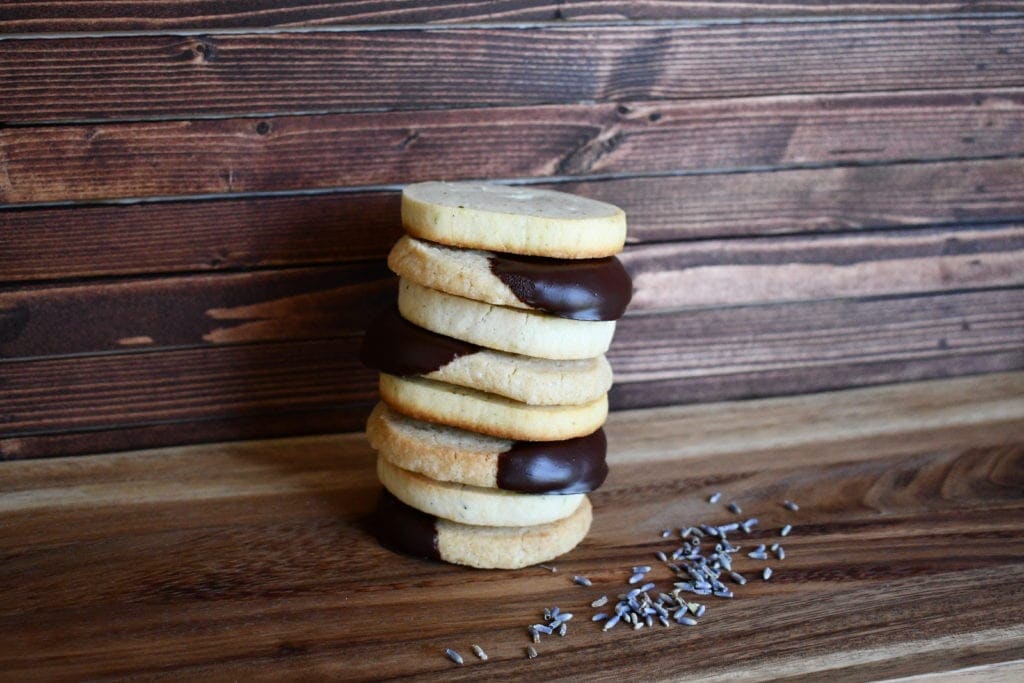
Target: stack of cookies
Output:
[(493, 376)]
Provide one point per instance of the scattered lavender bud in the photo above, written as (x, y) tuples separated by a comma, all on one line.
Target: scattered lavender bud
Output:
[(785, 530), (790, 505), (715, 497), (479, 652), (454, 656), (581, 581), (767, 573)]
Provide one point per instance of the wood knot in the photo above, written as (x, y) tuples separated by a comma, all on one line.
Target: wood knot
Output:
[(205, 51), (262, 128)]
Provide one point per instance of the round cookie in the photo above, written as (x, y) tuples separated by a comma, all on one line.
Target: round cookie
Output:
[(516, 220), (581, 289), (506, 329), (476, 411), (473, 504), (417, 533), (454, 455), (397, 347)]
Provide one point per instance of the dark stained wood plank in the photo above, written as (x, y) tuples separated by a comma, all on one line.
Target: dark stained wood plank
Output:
[(253, 560), (243, 381), (735, 272), (229, 234), (742, 352), (62, 16), (318, 303), (814, 200), (55, 163), (210, 236), (681, 357), (145, 76), (344, 417), (193, 310)]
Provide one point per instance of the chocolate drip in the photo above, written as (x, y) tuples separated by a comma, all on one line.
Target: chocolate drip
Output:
[(395, 346), (405, 529), (571, 466), (585, 289)]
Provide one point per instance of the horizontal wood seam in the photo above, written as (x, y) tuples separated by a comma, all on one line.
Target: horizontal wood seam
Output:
[(522, 25)]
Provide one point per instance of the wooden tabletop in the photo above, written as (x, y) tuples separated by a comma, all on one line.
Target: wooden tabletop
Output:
[(251, 560)]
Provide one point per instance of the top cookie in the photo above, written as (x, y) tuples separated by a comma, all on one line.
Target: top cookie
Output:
[(515, 220)]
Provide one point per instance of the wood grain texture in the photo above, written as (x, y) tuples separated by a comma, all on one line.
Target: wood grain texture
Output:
[(169, 312), (61, 16), (104, 161), (244, 381), (318, 303), (733, 272), (231, 234), (680, 357), (146, 76), (251, 561), (215, 235), (279, 422), (711, 354)]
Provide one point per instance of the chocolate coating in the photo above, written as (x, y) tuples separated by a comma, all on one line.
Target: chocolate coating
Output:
[(405, 529), (394, 345), (585, 289), (572, 466)]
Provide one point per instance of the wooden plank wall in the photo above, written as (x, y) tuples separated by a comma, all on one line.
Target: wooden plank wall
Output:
[(195, 197)]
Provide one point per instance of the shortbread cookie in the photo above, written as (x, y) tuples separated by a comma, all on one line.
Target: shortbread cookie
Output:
[(408, 530), (397, 347), (473, 504), (455, 455), (506, 329), (580, 289), (476, 411), (516, 220)]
